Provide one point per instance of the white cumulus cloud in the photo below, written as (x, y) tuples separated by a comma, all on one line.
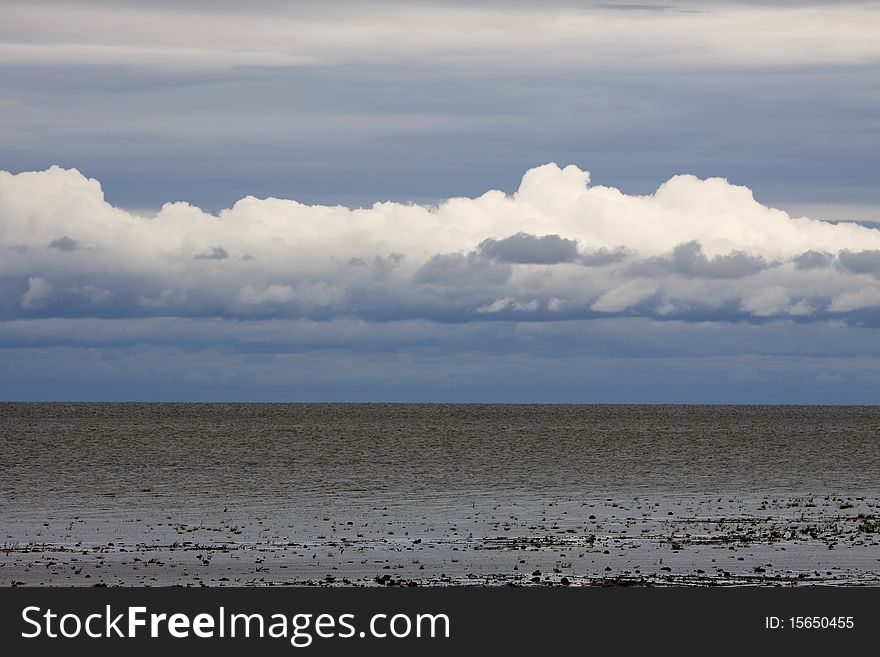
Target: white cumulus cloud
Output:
[(557, 248)]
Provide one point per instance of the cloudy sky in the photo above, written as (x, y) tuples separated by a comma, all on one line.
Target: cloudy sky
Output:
[(440, 201)]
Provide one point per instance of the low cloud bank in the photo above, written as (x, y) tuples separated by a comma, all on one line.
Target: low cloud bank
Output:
[(558, 248)]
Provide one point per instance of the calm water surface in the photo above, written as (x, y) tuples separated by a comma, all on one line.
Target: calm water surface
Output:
[(120, 453)]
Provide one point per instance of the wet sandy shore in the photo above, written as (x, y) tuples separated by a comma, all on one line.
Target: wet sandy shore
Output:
[(456, 539), (378, 494)]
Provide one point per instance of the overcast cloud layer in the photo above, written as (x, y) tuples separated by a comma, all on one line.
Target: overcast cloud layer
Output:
[(351, 102)]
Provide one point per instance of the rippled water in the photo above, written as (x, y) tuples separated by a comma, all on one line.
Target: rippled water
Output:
[(113, 454)]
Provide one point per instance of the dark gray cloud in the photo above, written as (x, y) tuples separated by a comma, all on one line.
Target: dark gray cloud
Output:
[(603, 257), (813, 260), (217, 253), (457, 270), (64, 243), (860, 262), (524, 248), (689, 260)]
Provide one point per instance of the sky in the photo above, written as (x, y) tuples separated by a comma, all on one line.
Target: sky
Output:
[(440, 201)]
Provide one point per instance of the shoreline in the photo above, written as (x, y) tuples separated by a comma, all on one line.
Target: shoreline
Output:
[(513, 539)]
